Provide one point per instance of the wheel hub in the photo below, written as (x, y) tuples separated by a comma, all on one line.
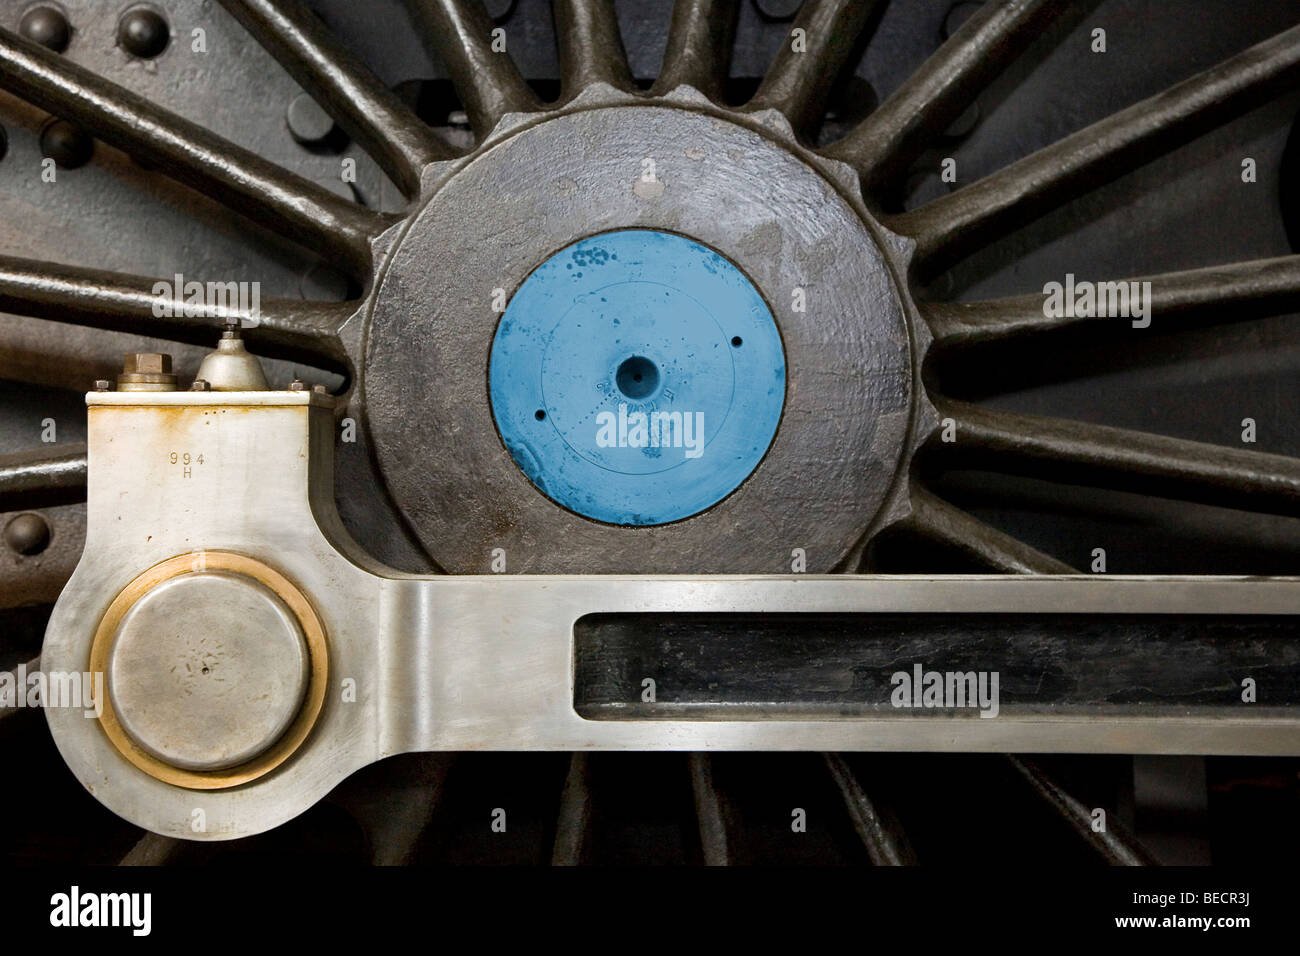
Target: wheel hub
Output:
[(807, 420), (637, 377)]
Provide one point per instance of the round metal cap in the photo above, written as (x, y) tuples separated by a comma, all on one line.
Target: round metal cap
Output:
[(207, 670), (637, 377)]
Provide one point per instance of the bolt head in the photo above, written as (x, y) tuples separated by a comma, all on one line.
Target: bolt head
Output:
[(297, 385), (47, 26), (102, 385), (147, 363), (27, 534), (200, 386), (309, 124), (143, 33)]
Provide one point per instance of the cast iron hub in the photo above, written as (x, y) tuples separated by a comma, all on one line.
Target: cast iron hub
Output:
[(781, 320)]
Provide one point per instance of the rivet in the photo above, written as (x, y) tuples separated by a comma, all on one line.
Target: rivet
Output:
[(27, 534), (47, 26), (143, 33)]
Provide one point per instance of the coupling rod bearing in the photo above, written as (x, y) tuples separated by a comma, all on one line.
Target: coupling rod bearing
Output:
[(215, 669)]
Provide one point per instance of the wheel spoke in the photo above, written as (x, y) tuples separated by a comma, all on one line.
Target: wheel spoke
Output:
[(886, 843), (574, 821), (152, 849), (954, 225), (936, 520), (1076, 452), (286, 328), (699, 46), (459, 33), (933, 97), (371, 114), (1218, 294), (34, 479), (710, 812), (798, 83), (591, 47), (190, 154), (1116, 846)]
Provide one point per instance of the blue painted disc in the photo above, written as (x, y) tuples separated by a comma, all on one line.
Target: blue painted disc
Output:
[(637, 377)]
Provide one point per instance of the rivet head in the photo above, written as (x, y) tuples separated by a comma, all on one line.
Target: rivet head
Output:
[(27, 534), (67, 144), (143, 33), (778, 9), (47, 26)]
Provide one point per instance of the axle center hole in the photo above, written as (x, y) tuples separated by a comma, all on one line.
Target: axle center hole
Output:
[(637, 377)]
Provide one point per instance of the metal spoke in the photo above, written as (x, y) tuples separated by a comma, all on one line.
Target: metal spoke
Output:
[(48, 476), (932, 98), (710, 812), (396, 802), (459, 33), (1080, 453), (591, 47), (886, 843), (371, 114), (288, 328), (798, 82), (1115, 845), (152, 849), (190, 154), (955, 225), (936, 520), (1228, 293), (574, 821), (699, 46)]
